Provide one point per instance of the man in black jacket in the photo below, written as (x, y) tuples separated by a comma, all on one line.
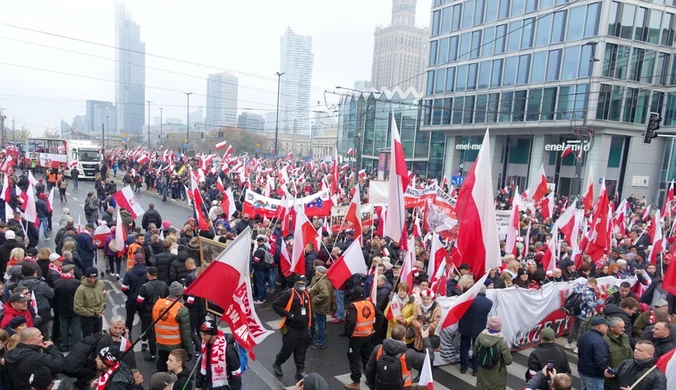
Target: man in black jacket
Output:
[(64, 295), (232, 379), (472, 323), (163, 264), (626, 312), (151, 216), (630, 370), (31, 352), (149, 293), (662, 338), (131, 284), (547, 351), (6, 249)]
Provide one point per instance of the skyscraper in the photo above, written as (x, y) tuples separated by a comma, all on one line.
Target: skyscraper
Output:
[(130, 73), (296, 63), (222, 100), (399, 50), (96, 114)]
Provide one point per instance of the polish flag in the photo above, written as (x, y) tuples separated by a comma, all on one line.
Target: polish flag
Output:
[(568, 150), (657, 238), (143, 159), (290, 155), (9, 213), (620, 222), (646, 213), (361, 176), (599, 235), (406, 274), (374, 287), (6, 194), (547, 206), (459, 306), (538, 190), (438, 255), (551, 253), (219, 185), (228, 152), (221, 145), (50, 200), (7, 164), (353, 216), (514, 225), (478, 234), (334, 174), (73, 163), (126, 198), (566, 222), (124, 344), (666, 208), (426, 378), (350, 152), (285, 260), (396, 215), (199, 206), (228, 203), (120, 234), (667, 364), (303, 234), (350, 262), (31, 178), (31, 213)]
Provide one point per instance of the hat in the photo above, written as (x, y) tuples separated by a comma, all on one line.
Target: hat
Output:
[(175, 290), (245, 215), (349, 232), (547, 334), (209, 327), (495, 323), (107, 357), (660, 303), (214, 203), (139, 258), (320, 269), (10, 235), (427, 293), (54, 256), (14, 270), (261, 238), (32, 251), (17, 321), (166, 224), (488, 282), (41, 377), (152, 270), (521, 271), (388, 265), (314, 381), (91, 272), (18, 297), (91, 225), (464, 266), (67, 268), (595, 321), (27, 270), (160, 380), (300, 279)]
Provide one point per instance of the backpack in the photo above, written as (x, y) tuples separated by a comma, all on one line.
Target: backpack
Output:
[(488, 357), (63, 184), (572, 304), (269, 259), (388, 373)]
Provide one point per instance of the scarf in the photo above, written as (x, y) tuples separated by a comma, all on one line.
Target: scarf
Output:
[(427, 308), (105, 377), (652, 318), (219, 371), (397, 304), (55, 268)]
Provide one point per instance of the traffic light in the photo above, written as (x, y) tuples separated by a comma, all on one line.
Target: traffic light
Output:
[(652, 127), (202, 135)]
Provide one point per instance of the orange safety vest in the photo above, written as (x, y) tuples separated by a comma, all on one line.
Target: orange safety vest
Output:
[(405, 372), (302, 297), (131, 251), (366, 318), (51, 178), (167, 330)]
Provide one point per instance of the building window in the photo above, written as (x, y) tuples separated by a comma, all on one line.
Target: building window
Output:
[(539, 66), (457, 110), (511, 64), (446, 114), (478, 12), (571, 62), (654, 26), (656, 105), (519, 106), (492, 10), (468, 112), (622, 63), (576, 23), (517, 7), (603, 106), (471, 77), (435, 23), (640, 32), (585, 62), (581, 101), (660, 67), (468, 14), (527, 35), (457, 13), (667, 29), (627, 24), (544, 26), (427, 117), (489, 37), (514, 38), (503, 11), (446, 15), (642, 106), (506, 106), (524, 69), (476, 44), (613, 19), (496, 74), (440, 82), (534, 99), (450, 79), (436, 117), (461, 81), (484, 74), (630, 101), (591, 28), (492, 109), (519, 150), (465, 40), (433, 53), (615, 103), (544, 4), (430, 82), (480, 109), (548, 104), (453, 49), (443, 51), (553, 65), (500, 32), (564, 109), (559, 26), (615, 153)]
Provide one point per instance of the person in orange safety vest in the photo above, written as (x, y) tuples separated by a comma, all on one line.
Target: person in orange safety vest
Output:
[(172, 330), (362, 318)]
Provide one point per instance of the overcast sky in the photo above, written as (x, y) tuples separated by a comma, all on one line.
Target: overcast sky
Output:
[(242, 37)]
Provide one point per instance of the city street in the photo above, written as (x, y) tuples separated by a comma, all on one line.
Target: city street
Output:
[(330, 362)]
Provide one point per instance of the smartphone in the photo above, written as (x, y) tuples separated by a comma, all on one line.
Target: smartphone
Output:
[(612, 372), (550, 365)]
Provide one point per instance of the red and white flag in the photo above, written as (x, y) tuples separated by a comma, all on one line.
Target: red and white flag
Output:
[(6, 194), (667, 364), (228, 203), (143, 159), (285, 260), (657, 238), (426, 378), (547, 206), (437, 256), (598, 241), (396, 214), (551, 253), (568, 150), (352, 219), (303, 233), (406, 274), (31, 213), (514, 224), (350, 152), (459, 307), (50, 200), (666, 208), (478, 234), (126, 198), (373, 295), (334, 174), (228, 152), (290, 155), (219, 185), (538, 188), (350, 262), (120, 234), (221, 145), (566, 221), (198, 203)]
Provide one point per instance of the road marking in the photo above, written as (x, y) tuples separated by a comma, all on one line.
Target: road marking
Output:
[(75, 199), (266, 375)]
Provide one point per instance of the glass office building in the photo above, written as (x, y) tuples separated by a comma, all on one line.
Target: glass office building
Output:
[(535, 70), (365, 126)]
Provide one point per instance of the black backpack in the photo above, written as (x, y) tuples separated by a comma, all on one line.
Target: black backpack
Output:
[(488, 357), (388, 373), (572, 304)]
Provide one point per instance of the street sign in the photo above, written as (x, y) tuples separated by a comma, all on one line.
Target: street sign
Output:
[(258, 145), (258, 149), (457, 180), (185, 146), (186, 141), (126, 135), (125, 139)]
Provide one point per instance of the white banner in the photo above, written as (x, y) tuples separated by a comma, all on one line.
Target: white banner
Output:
[(338, 214), (378, 192), (502, 220)]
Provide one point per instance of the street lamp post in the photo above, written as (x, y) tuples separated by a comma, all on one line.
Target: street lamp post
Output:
[(279, 81), (149, 124), (161, 108), (187, 121), (103, 139)]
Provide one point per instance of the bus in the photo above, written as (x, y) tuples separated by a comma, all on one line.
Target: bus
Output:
[(47, 152)]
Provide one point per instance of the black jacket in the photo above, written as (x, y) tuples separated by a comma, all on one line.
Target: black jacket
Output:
[(151, 216), (80, 360), (64, 295), (383, 296), (544, 353), (592, 354), (474, 320), (178, 271), (294, 318), (612, 310), (106, 340), (183, 378), (309, 264), (41, 208), (629, 371), (5, 251), (148, 294), (163, 265), (24, 359), (414, 359), (664, 345), (130, 283), (233, 364)]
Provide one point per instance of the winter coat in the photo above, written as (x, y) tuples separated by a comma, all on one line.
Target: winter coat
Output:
[(544, 353), (163, 264), (177, 270), (107, 341), (321, 294), (148, 294), (22, 361), (664, 345), (592, 354), (618, 351), (383, 296), (91, 209), (232, 363), (494, 378), (151, 216), (183, 320), (630, 370), (309, 264), (43, 293), (127, 220), (132, 282), (80, 363), (5, 250), (86, 248), (391, 347), (425, 321), (64, 293), (41, 208), (612, 310), (474, 320), (643, 321), (183, 378), (409, 311), (10, 313), (89, 299), (63, 220)]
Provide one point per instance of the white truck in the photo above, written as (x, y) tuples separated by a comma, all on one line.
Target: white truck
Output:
[(88, 157)]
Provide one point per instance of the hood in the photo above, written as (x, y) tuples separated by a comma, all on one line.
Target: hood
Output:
[(394, 347), (10, 310), (123, 375), (489, 339), (139, 269), (21, 352), (612, 310), (314, 381), (85, 283), (124, 213)]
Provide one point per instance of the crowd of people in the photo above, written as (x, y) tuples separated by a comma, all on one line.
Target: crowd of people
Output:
[(54, 301)]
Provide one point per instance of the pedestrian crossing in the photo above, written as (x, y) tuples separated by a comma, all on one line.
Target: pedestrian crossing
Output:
[(449, 376)]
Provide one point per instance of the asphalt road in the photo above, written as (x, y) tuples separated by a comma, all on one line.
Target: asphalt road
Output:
[(330, 362)]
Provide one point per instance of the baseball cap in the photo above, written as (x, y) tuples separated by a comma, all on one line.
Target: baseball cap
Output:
[(152, 270), (18, 297), (660, 303), (547, 334), (160, 380), (595, 321)]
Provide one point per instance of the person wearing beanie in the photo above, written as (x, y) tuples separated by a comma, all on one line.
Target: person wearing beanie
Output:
[(493, 355), (547, 351), (64, 296), (172, 329), (115, 374), (222, 373), (321, 293), (131, 284), (89, 302), (43, 296), (6, 249), (16, 325), (148, 295)]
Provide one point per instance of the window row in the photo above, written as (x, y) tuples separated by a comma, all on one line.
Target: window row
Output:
[(477, 12), (553, 65), (641, 24), (623, 104), (636, 64), (541, 104), (518, 35)]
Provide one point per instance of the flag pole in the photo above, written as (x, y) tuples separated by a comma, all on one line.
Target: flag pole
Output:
[(639, 380)]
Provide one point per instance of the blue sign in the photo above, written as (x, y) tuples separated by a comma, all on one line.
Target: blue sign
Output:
[(258, 150), (457, 180), (185, 146), (125, 140)]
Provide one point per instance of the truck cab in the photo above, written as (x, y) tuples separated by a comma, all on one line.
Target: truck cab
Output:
[(87, 156)]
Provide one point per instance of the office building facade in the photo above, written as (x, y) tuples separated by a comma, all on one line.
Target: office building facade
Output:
[(539, 74), (130, 63), (399, 50), (222, 91), (296, 62), (252, 122), (99, 113)]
